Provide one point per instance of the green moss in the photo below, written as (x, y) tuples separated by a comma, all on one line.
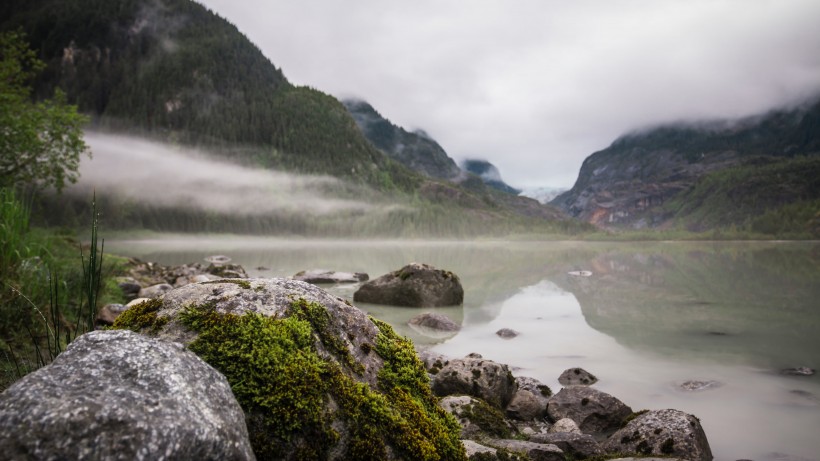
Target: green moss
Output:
[(488, 418), (319, 318), (142, 316), (284, 386), (242, 283), (545, 390), (632, 416)]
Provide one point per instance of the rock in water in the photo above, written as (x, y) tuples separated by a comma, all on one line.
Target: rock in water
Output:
[(577, 377), (662, 432), (322, 276), (414, 285), (593, 410), (122, 396), (317, 377), (434, 321)]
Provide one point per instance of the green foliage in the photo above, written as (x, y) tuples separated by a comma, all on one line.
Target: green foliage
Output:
[(283, 385), (46, 298), (775, 198), (42, 142)]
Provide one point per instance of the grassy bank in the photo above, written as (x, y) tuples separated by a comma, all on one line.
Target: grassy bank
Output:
[(51, 288)]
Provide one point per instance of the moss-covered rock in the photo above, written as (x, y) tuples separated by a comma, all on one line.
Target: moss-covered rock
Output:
[(317, 378)]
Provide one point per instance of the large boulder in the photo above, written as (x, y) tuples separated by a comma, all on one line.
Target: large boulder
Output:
[(122, 396), (317, 377), (593, 410), (414, 285), (490, 381), (662, 432)]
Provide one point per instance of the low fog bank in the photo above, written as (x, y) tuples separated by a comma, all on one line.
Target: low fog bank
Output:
[(170, 176)]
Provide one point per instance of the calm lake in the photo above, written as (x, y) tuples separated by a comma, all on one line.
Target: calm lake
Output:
[(650, 317)]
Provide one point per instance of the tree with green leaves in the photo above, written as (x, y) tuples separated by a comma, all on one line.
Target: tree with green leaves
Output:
[(40, 142)]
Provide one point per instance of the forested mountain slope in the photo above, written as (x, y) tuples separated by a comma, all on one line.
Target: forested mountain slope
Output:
[(705, 175), (175, 70)]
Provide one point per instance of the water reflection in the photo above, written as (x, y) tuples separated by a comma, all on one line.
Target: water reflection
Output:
[(649, 318)]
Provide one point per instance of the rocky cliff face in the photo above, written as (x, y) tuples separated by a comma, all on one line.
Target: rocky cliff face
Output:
[(415, 150), (627, 184)]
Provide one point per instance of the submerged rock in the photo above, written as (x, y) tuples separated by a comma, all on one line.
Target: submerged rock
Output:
[(662, 432), (697, 386), (507, 333), (593, 410), (324, 276), (123, 396), (317, 377), (435, 322), (414, 285), (799, 371)]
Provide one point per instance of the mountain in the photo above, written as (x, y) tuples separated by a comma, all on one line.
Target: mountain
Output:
[(489, 174), (704, 175), (174, 70), (415, 150)]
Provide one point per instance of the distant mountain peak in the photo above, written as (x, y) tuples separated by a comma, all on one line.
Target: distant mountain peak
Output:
[(416, 149), (489, 174)]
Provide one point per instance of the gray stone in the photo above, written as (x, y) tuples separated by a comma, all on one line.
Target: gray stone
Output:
[(534, 451), (227, 271), (525, 406), (324, 276), (507, 333), (122, 396), (662, 432), (129, 286), (273, 298), (565, 425), (218, 259), (580, 446), (108, 313), (434, 322), (593, 410), (577, 377), (477, 419), (136, 301), (541, 391), (345, 340), (485, 379), (697, 386), (472, 448), (799, 371), (155, 291), (414, 285)]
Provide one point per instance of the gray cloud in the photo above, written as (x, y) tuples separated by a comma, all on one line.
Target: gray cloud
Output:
[(164, 175), (535, 86)]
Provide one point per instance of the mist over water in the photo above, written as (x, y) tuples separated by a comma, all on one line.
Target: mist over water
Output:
[(164, 175)]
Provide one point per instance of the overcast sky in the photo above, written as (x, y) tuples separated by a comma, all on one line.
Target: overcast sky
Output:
[(535, 86)]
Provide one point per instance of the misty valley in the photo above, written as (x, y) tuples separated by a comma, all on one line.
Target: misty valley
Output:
[(164, 186), (649, 319)]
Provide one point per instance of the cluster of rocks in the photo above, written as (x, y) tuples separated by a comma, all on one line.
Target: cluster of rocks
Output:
[(122, 395), (149, 280), (501, 414)]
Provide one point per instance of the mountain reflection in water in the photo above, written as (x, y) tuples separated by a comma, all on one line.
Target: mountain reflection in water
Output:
[(703, 327)]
